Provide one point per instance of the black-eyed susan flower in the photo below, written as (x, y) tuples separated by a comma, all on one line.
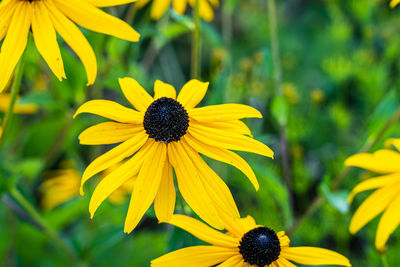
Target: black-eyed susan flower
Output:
[(45, 18), (243, 244), (385, 199), (59, 187), (164, 133), (159, 7)]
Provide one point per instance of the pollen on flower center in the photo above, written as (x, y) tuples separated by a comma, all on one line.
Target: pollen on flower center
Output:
[(166, 120), (260, 247)]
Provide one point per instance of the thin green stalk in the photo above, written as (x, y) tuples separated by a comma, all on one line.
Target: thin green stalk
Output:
[(14, 95), (42, 223), (319, 200), (196, 52), (384, 260)]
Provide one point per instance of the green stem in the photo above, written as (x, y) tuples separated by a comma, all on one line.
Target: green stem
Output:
[(14, 94), (319, 200), (42, 223), (384, 260), (196, 52)]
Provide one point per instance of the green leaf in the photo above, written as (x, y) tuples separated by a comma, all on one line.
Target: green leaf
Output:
[(280, 110)]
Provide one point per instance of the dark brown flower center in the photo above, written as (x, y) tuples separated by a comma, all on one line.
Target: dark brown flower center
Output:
[(166, 120), (260, 247)]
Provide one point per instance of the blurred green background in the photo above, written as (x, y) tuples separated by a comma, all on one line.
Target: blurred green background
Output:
[(340, 83)]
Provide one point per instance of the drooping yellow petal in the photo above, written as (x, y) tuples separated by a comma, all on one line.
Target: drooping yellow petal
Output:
[(223, 155), (117, 178), (382, 161), (203, 232), (135, 93), (164, 204), (179, 6), (192, 93), (6, 13), (223, 112), (162, 89), (75, 39), (231, 141), (146, 186), (205, 10), (394, 3), (46, 39), (234, 261), (109, 133), (314, 256), (111, 110), (15, 42), (141, 3), (230, 223), (106, 3), (214, 186), (389, 222), (373, 183), (372, 206), (114, 156), (94, 19), (197, 256), (159, 8), (190, 185)]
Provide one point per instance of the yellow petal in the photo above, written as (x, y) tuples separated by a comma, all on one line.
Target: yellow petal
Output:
[(388, 223), (94, 19), (141, 3), (135, 93), (164, 204), (15, 42), (192, 93), (382, 161), (223, 112), (46, 39), (114, 156), (230, 223), (198, 256), (179, 6), (223, 155), (111, 110), (283, 239), (18, 108), (231, 141), (236, 126), (372, 206), (394, 3), (147, 185), (159, 8), (162, 89), (214, 186), (116, 179), (373, 183), (282, 262), (245, 224), (203, 232), (75, 39), (6, 12), (106, 3), (190, 185), (234, 261), (393, 141), (109, 133), (314, 256)]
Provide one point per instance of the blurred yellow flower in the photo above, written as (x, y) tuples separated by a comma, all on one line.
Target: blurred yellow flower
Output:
[(59, 187), (385, 199), (317, 96), (394, 3), (159, 7), (18, 108), (167, 132), (243, 244), (45, 18), (290, 93)]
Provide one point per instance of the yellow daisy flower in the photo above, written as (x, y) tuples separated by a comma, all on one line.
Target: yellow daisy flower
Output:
[(159, 7), (164, 133), (243, 244), (59, 187), (385, 199), (45, 18)]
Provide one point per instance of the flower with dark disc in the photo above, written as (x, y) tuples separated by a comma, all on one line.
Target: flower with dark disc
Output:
[(260, 246), (166, 120)]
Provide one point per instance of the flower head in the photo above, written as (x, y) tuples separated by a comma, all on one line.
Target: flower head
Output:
[(165, 133), (159, 7), (385, 199), (243, 244), (45, 18)]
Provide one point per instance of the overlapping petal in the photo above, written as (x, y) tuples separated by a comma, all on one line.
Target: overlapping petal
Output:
[(164, 203)]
